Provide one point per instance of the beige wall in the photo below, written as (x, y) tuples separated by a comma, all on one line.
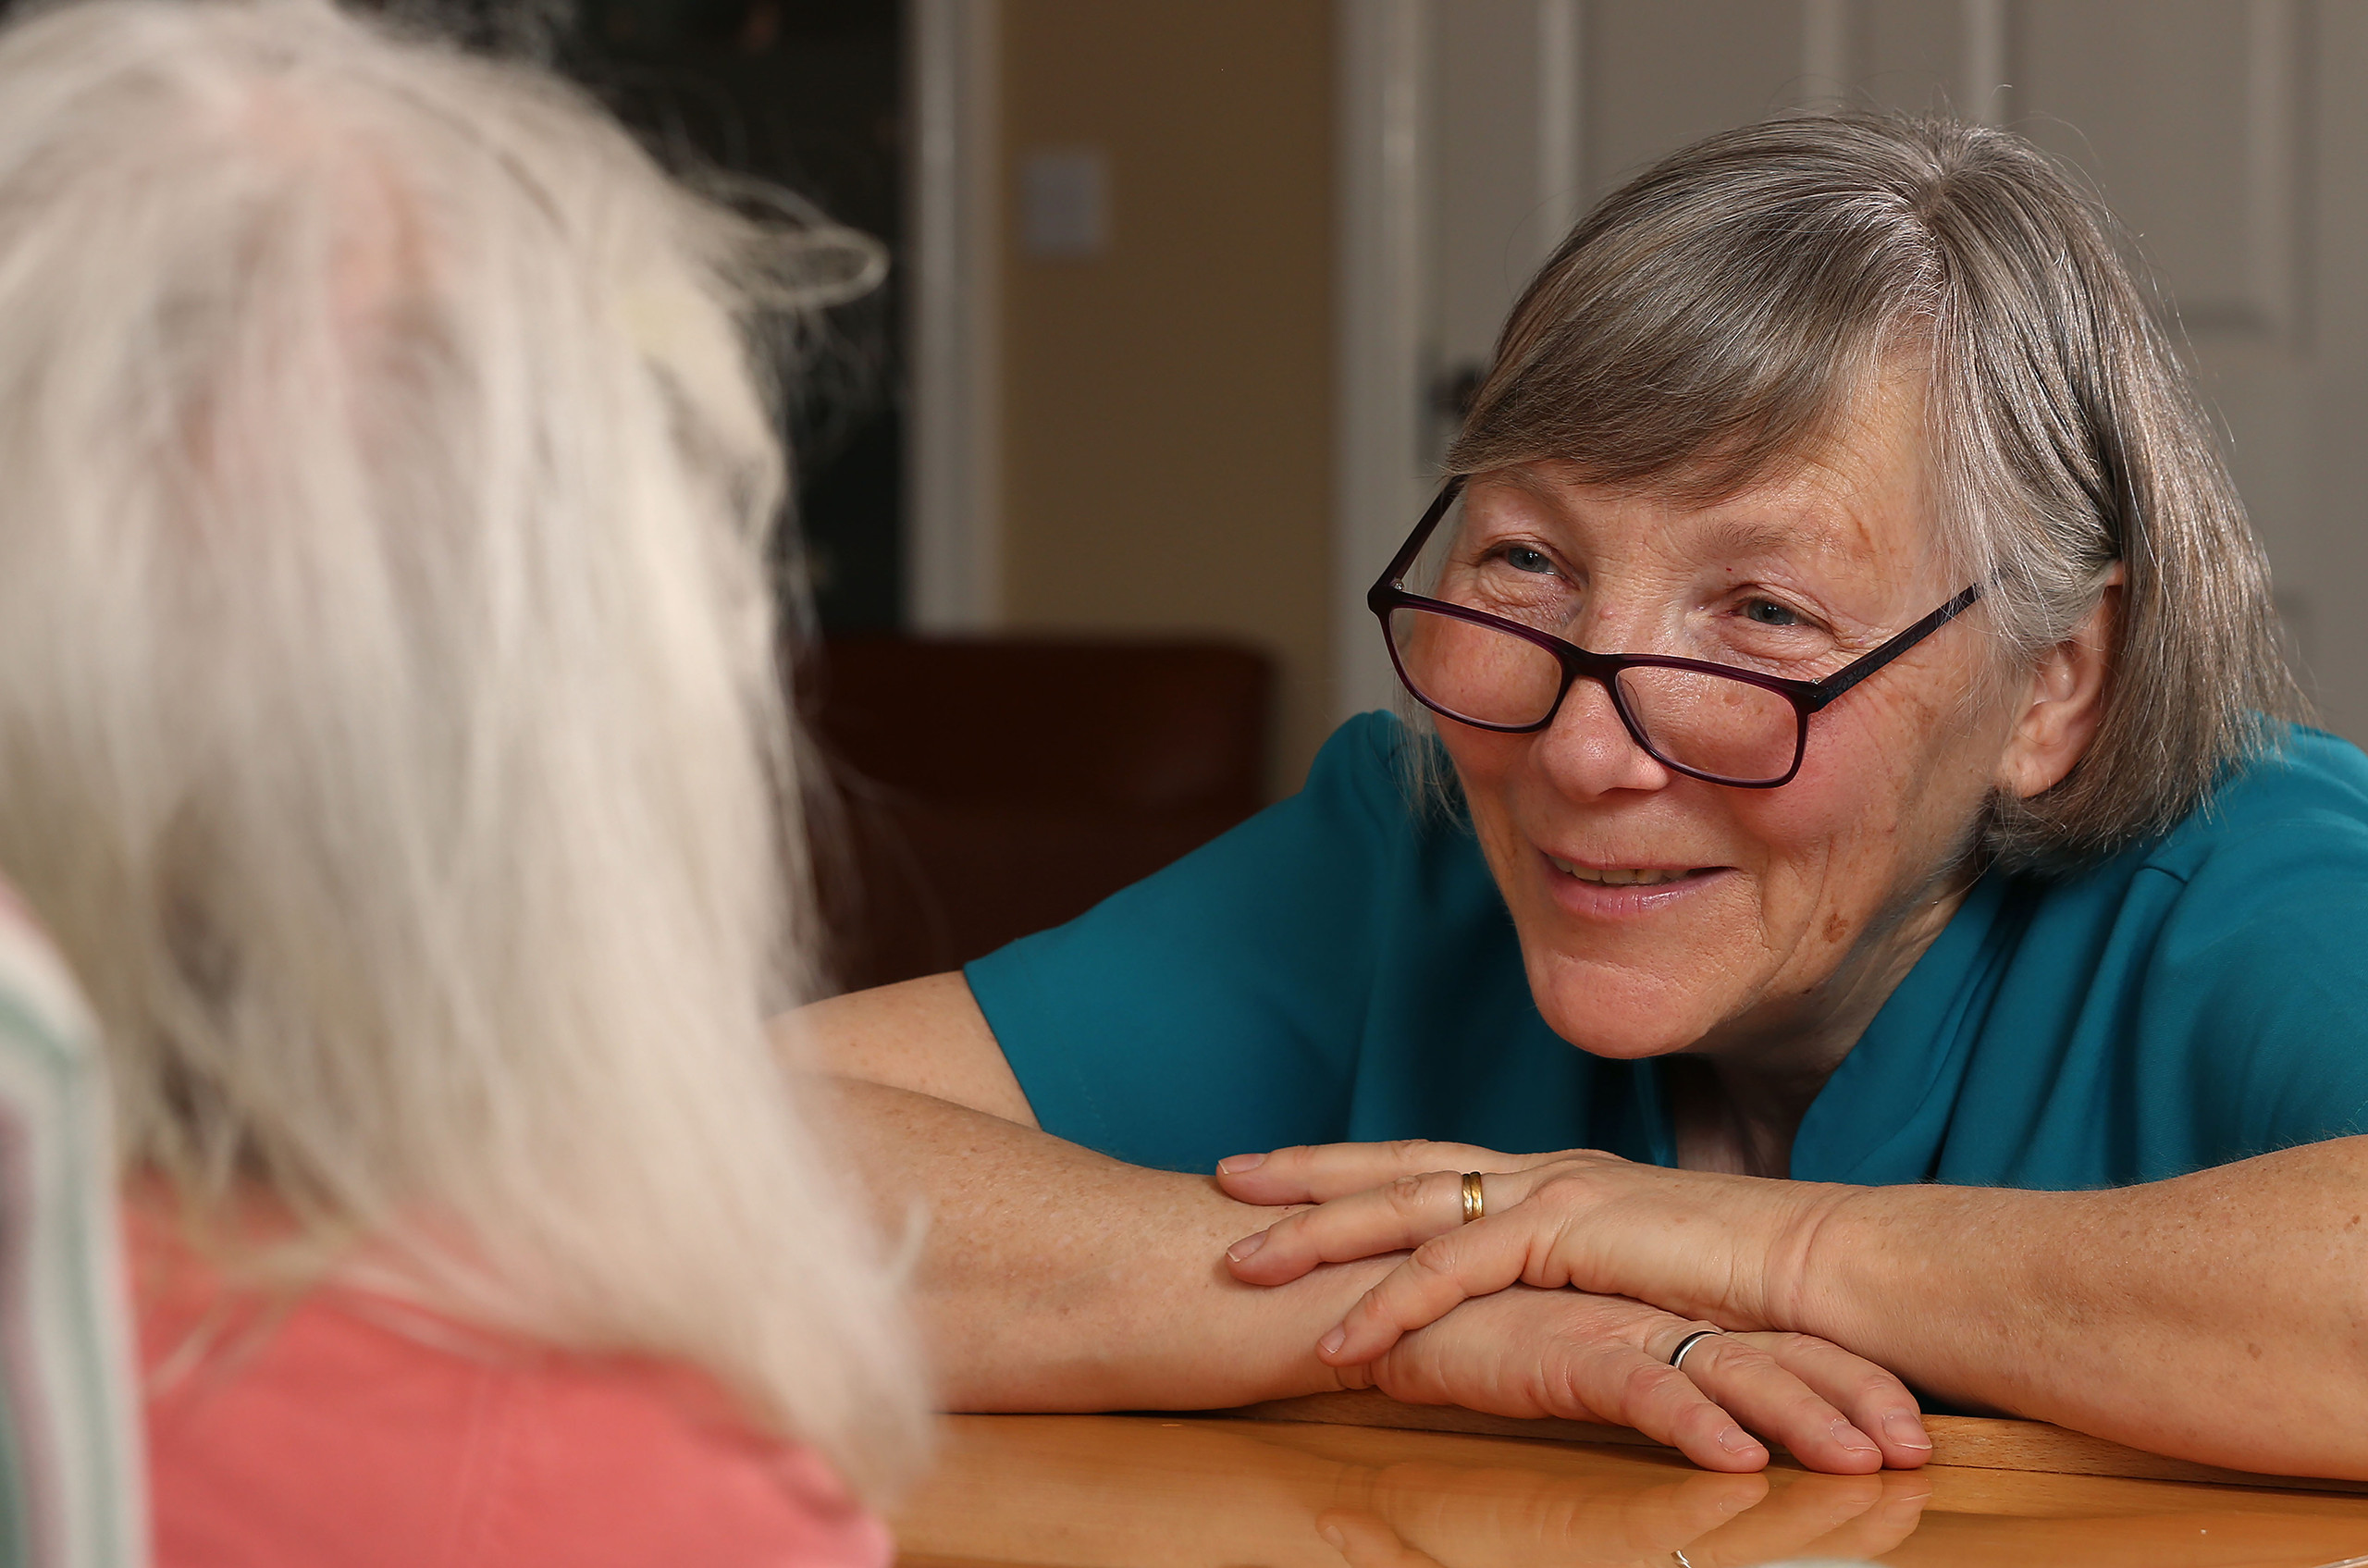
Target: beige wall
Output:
[(1168, 403)]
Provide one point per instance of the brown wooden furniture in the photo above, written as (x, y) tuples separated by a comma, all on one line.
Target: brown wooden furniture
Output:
[(993, 787), (1099, 1491), (1960, 1441)]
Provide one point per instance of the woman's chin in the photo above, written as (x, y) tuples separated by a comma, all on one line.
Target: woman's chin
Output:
[(1623, 1046), (1614, 1006), (1624, 1023)]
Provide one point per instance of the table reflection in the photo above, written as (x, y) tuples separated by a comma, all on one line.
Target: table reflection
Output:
[(1145, 1492)]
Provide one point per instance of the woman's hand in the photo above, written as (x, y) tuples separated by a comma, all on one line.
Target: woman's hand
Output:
[(1621, 1232), (1700, 1243), (1532, 1353)]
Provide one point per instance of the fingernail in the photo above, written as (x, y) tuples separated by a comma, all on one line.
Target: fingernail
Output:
[(1734, 1439), (1905, 1431), (1246, 1246), (1334, 1538), (1331, 1343), (1234, 1164), (1852, 1439)]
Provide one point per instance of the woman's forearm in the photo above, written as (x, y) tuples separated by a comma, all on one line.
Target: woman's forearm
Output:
[(2221, 1316), (1052, 1277)]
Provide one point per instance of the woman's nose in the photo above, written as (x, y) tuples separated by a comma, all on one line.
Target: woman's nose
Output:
[(1587, 751)]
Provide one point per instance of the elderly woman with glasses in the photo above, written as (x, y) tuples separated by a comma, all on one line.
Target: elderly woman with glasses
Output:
[(1857, 911)]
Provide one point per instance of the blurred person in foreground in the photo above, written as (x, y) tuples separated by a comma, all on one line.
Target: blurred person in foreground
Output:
[(391, 740)]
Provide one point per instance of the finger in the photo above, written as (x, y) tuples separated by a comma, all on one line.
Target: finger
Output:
[(1623, 1385), (1559, 1353), (1479, 1259), (1402, 1213), (1778, 1406), (1877, 1402), (1366, 1542), (1581, 1363), (1315, 1173)]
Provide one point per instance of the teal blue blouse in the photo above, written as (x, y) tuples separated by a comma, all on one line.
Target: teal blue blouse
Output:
[(1340, 967)]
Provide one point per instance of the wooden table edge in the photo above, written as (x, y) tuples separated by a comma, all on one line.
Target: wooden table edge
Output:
[(1964, 1441)]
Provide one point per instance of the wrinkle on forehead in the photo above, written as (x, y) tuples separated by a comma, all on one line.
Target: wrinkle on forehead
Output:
[(1831, 503)]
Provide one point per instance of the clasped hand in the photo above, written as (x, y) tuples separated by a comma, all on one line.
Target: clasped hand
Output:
[(1583, 1275)]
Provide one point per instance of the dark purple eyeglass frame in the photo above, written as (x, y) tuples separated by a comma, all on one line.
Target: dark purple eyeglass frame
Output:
[(1389, 593)]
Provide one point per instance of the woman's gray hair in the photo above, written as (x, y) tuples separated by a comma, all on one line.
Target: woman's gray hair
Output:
[(390, 728), (1713, 320)]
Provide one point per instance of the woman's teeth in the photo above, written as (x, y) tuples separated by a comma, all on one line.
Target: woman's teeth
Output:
[(1619, 876)]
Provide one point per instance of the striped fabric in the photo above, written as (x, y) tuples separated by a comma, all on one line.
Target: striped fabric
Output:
[(71, 1493)]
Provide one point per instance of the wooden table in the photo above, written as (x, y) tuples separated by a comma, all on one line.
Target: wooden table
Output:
[(1113, 1492)]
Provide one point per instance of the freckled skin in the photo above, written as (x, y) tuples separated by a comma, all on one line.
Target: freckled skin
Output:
[(1833, 885)]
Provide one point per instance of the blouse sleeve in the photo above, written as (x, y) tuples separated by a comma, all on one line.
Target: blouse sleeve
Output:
[(2260, 969), (1218, 1003)]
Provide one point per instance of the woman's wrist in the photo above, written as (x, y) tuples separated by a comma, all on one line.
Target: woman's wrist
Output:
[(1927, 1280), (1814, 1236), (1744, 1252)]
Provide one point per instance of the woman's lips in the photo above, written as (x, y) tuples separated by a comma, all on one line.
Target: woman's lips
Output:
[(1626, 876), (1623, 890)]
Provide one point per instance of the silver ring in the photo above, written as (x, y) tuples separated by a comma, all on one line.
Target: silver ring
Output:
[(1677, 1356), (1678, 1557)]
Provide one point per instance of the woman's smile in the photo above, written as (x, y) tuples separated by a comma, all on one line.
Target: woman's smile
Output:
[(1628, 876), (1600, 891)]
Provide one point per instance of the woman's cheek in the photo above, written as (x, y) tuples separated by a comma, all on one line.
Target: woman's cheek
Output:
[(1830, 841)]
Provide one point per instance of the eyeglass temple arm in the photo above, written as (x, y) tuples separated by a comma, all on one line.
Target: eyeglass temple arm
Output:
[(1394, 574), (1841, 680)]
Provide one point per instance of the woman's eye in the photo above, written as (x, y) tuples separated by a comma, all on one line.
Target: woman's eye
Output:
[(1768, 612), (1522, 558)]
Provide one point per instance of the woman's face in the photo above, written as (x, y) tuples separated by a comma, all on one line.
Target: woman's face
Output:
[(1658, 912)]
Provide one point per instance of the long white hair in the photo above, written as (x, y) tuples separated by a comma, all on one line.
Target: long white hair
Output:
[(391, 724)]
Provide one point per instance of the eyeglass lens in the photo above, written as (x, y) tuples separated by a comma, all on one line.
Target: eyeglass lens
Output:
[(1709, 723)]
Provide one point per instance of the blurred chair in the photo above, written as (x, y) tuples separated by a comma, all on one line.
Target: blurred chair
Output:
[(71, 1492), (996, 786)]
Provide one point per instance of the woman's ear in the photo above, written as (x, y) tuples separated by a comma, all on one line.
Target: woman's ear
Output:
[(2064, 700)]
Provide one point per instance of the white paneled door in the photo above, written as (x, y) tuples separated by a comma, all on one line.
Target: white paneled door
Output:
[(2231, 136)]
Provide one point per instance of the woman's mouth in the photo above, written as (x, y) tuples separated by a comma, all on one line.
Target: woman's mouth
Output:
[(1627, 876), (1627, 893)]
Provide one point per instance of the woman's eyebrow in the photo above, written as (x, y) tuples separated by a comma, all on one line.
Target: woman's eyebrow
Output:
[(1821, 539)]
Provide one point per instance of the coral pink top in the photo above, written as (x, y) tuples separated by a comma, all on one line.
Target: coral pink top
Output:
[(331, 1435)]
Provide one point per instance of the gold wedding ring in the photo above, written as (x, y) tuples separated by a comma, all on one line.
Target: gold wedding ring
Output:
[(1475, 1201)]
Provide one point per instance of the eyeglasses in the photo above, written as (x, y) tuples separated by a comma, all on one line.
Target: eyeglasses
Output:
[(1709, 722)]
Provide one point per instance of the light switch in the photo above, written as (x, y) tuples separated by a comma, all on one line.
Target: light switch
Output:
[(1065, 202)]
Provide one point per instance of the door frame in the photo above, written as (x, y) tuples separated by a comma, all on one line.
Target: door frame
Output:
[(1377, 322), (954, 452)]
